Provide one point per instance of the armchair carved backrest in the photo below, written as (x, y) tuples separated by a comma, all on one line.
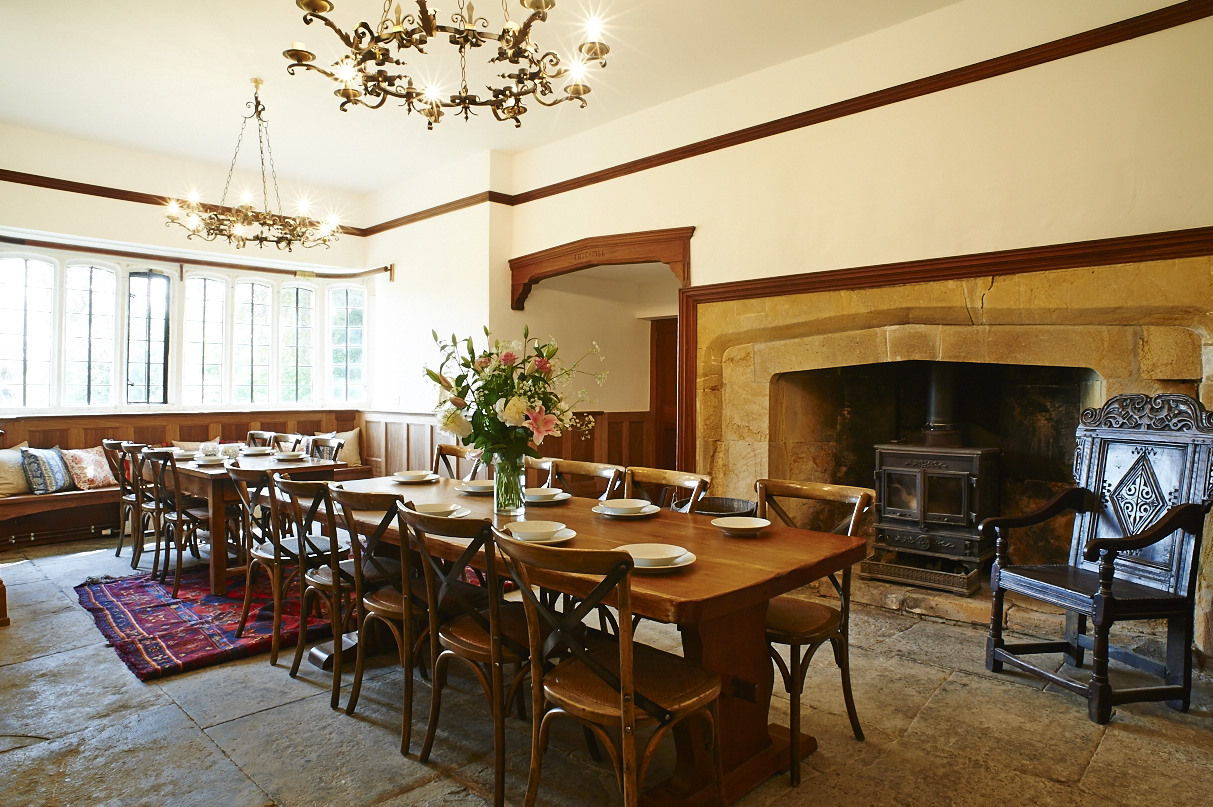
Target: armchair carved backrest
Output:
[(1140, 456)]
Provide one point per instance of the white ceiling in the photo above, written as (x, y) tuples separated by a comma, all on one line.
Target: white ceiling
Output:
[(172, 78)]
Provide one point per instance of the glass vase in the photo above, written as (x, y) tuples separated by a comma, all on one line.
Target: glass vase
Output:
[(507, 485)]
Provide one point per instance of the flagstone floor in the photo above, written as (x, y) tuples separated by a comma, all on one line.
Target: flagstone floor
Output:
[(76, 728)]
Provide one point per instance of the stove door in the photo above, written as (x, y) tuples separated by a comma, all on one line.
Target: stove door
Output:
[(947, 497)]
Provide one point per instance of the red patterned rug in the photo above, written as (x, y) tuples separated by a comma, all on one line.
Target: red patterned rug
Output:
[(156, 635)]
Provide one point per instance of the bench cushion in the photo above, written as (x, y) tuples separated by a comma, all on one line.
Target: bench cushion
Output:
[(46, 470), (89, 468), (12, 471)]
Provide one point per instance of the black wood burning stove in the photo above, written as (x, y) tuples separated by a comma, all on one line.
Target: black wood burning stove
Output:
[(930, 497)]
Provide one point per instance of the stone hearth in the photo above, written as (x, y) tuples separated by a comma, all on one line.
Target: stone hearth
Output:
[(1130, 328)]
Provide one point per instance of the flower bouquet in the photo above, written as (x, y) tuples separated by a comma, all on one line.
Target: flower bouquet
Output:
[(505, 399)]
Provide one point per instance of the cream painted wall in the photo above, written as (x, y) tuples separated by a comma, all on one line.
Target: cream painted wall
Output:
[(1113, 142), (439, 285)]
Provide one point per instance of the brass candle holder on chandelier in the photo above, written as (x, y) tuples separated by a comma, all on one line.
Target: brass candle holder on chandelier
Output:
[(368, 75), (245, 223)]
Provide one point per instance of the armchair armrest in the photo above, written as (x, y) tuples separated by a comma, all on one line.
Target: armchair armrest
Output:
[(1077, 499), (1187, 517)]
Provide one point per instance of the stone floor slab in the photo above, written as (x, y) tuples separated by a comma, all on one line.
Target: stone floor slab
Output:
[(28, 638), (16, 568), (158, 756)]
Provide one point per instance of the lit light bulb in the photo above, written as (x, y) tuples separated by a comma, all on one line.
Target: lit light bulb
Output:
[(246, 198), (192, 221), (193, 197), (344, 71), (174, 209), (238, 229), (431, 93), (304, 205), (593, 29), (332, 221), (577, 70)]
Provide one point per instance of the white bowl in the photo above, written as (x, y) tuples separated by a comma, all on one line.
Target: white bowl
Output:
[(624, 506), (411, 476), (256, 451), (289, 455), (654, 554), (534, 530), (478, 484), (444, 510), (541, 494), (740, 525)]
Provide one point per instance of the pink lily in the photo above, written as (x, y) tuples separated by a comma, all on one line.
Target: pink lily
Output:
[(541, 424), (508, 358), (542, 365)]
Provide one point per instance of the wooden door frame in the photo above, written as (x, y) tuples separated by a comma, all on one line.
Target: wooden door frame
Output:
[(671, 247)]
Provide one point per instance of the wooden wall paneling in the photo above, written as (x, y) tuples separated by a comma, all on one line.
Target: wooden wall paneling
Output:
[(309, 426), (374, 444), (50, 437), (92, 437), (419, 451), (194, 432), (398, 450)]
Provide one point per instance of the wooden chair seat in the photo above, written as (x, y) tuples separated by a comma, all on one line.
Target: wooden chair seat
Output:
[(1075, 590), (466, 637), (322, 576), (670, 681), (388, 603), (290, 546), (795, 621)]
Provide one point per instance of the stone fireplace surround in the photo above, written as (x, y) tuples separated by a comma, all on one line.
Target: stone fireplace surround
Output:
[(1138, 327)]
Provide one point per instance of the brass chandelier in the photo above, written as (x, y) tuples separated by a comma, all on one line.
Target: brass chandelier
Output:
[(245, 223), (369, 72)]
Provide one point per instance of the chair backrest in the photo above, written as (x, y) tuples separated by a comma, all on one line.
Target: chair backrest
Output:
[(282, 441), (259, 438), (1141, 455), (141, 484), (538, 471), (555, 634), (326, 448), (166, 483), (365, 542), (855, 501), (444, 592), (314, 522), (582, 478), (640, 483), (115, 459), (252, 487), (463, 456)]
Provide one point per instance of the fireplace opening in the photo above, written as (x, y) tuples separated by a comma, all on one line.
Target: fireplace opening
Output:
[(825, 425)]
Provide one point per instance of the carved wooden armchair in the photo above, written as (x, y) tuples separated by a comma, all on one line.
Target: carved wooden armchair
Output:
[(1143, 465)]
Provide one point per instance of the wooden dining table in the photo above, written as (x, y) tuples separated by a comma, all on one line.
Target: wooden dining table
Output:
[(211, 482), (718, 602)]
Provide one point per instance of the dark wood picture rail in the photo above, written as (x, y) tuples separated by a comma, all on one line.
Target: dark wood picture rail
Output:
[(1103, 252), (1142, 25), (671, 247)]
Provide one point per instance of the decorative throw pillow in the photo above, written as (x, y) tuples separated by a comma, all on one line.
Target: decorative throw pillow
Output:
[(12, 471), (46, 470), (350, 453), (89, 468)]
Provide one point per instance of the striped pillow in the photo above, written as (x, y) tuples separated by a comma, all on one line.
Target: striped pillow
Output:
[(46, 470)]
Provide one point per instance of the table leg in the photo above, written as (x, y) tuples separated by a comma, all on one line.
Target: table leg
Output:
[(734, 646), (217, 507)]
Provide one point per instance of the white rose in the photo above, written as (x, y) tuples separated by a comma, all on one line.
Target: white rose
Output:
[(453, 421), (513, 412)]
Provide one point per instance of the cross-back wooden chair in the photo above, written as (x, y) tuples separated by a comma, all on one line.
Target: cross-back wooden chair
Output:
[(483, 632), (585, 478), (800, 624), (662, 487), (326, 573), (1143, 466), (461, 456), (384, 586), (325, 448), (183, 517), (148, 511), (130, 515), (610, 684), (282, 441), (265, 544), (259, 438)]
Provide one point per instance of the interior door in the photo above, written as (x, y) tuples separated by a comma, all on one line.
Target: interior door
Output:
[(663, 390)]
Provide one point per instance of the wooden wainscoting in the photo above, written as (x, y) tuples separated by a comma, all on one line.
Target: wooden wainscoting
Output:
[(159, 428), (396, 441)]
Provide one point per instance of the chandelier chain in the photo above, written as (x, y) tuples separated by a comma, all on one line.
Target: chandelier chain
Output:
[(231, 168)]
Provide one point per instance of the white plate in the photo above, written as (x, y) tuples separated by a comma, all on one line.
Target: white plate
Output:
[(624, 507), (651, 509), (208, 460), (559, 538), (485, 491), (289, 455), (685, 560), (740, 526), (559, 497), (425, 480), (256, 451)]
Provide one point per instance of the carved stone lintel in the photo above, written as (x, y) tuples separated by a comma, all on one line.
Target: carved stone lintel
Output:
[(1166, 413)]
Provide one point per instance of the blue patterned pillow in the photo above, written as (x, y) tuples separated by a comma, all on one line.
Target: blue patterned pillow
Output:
[(46, 470)]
